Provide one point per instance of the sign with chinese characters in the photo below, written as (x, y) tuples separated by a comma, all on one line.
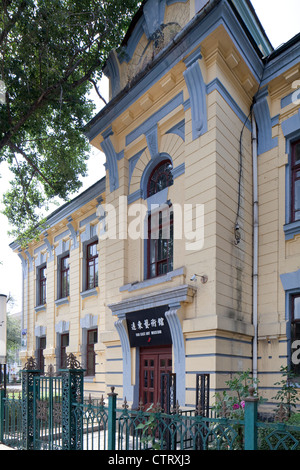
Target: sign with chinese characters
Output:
[(148, 327)]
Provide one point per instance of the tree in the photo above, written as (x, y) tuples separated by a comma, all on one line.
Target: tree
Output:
[(13, 338), (51, 53), (13, 331)]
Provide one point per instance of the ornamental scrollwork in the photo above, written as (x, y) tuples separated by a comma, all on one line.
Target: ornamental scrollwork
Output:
[(72, 362), (57, 413), (42, 410), (30, 364)]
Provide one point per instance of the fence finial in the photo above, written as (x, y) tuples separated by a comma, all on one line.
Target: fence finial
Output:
[(281, 414), (72, 362), (112, 392), (176, 408), (141, 406), (199, 409), (157, 408), (50, 372), (30, 364)]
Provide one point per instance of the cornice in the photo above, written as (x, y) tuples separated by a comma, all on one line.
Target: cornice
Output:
[(65, 211), (183, 293)]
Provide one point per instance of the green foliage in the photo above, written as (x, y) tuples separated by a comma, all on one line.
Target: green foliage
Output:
[(13, 338), (232, 402), (51, 51), (294, 420), (288, 395), (149, 428)]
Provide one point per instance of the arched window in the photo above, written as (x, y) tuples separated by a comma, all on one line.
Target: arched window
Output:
[(160, 178), (160, 224)]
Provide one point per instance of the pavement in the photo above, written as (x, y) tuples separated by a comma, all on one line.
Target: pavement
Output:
[(3, 447)]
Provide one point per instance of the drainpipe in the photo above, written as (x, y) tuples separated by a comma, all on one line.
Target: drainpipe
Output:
[(255, 244)]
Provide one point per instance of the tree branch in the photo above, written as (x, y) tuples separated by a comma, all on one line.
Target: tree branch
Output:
[(24, 188), (12, 21), (97, 91), (15, 148)]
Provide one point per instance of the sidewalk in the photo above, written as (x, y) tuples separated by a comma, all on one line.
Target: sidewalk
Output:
[(3, 447)]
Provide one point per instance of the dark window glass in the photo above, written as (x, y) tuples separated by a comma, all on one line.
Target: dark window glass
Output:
[(160, 178), (295, 181), (92, 266), (160, 225), (41, 345), (64, 277), (42, 286), (92, 338), (63, 350), (160, 244), (295, 332)]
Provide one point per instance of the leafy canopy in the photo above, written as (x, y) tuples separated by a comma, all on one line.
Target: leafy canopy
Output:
[(51, 53)]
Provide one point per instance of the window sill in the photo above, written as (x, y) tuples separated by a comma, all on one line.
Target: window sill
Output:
[(89, 378), (153, 281), (296, 381), (40, 308), (89, 293), (291, 229), (62, 301)]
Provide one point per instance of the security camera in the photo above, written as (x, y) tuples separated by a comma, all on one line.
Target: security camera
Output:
[(203, 278)]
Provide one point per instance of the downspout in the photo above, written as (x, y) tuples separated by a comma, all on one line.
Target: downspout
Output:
[(255, 247)]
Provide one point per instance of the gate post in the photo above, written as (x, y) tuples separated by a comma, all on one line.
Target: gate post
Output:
[(72, 397), (2, 394), (28, 394), (251, 421), (202, 394), (112, 416), (3, 377)]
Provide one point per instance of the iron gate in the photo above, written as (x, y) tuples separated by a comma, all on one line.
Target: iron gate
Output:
[(48, 406)]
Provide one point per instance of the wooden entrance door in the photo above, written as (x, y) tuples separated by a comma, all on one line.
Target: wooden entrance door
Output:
[(153, 363)]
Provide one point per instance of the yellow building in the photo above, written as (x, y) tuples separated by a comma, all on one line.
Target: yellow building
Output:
[(185, 257)]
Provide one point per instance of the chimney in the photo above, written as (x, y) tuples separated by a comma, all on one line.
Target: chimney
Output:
[(3, 300)]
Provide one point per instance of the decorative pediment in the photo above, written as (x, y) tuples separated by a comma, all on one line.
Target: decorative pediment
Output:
[(159, 23)]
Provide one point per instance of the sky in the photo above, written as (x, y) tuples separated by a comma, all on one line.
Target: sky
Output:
[(280, 19)]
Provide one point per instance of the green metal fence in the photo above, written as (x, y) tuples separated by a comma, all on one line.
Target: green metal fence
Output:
[(52, 414), (107, 427), (11, 419), (112, 428)]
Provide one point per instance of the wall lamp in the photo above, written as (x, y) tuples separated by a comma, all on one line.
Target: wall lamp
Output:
[(203, 278)]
